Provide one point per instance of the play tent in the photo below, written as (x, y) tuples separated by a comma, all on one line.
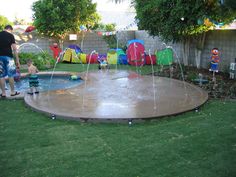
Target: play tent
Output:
[(76, 48), (70, 56), (135, 52), (164, 57), (150, 59), (113, 55), (102, 57), (30, 29), (83, 58), (122, 59), (92, 59)]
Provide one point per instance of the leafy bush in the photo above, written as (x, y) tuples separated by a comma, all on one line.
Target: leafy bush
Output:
[(26, 56), (232, 90), (41, 60), (191, 76)]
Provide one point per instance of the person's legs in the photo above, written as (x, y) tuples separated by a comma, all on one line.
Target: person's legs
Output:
[(31, 85), (2, 86), (36, 90), (12, 85), (11, 72), (31, 92), (34, 83), (3, 73)]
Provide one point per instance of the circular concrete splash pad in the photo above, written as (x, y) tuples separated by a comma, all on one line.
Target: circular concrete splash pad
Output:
[(120, 95)]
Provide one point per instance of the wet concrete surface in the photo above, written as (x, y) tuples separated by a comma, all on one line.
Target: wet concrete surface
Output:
[(119, 95)]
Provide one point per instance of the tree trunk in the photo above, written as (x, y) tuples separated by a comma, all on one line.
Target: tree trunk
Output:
[(82, 40), (61, 44), (186, 48), (198, 54), (199, 48)]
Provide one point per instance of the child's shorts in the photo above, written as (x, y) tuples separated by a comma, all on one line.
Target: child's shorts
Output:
[(7, 67), (33, 80)]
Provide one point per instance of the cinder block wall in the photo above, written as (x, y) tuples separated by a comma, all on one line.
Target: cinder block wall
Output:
[(89, 42), (153, 44), (32, 42), (225, 40), (125, 36)]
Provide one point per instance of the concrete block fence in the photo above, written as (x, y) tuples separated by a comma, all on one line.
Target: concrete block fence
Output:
[(224, 40)]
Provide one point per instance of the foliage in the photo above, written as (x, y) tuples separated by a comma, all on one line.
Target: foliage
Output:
[(175, 20), (231, 4), (111, 40), (19, 21), (232, 90), (3, 22), (56, 18), (191, 76), (117, 1), (41, 60), (92, 21)]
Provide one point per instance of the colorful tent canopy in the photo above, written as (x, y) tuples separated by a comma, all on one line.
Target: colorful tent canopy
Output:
[(135, 52), (122, 59), (119, 52), (29, 29), (83, 57), (113, 55), (92, 58), (150, 60), (165, 57), (70, 56), (102, 57), (135, 40), (76, 48)]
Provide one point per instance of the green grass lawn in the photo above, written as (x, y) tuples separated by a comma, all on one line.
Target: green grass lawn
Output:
[(194, 144), (201, 144), (147, 69)]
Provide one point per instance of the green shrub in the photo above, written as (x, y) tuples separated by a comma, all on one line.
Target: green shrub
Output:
[(232, 90), (25, 56), (191, 76), (41, 60)]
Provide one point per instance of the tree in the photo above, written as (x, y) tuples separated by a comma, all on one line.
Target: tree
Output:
[(230, 3), (18, 21), (183, 21), (56, 18), (110, 39), (3, 22), (117, 1)]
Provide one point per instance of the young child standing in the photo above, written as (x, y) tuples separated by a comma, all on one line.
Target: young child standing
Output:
[(33, 77)]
